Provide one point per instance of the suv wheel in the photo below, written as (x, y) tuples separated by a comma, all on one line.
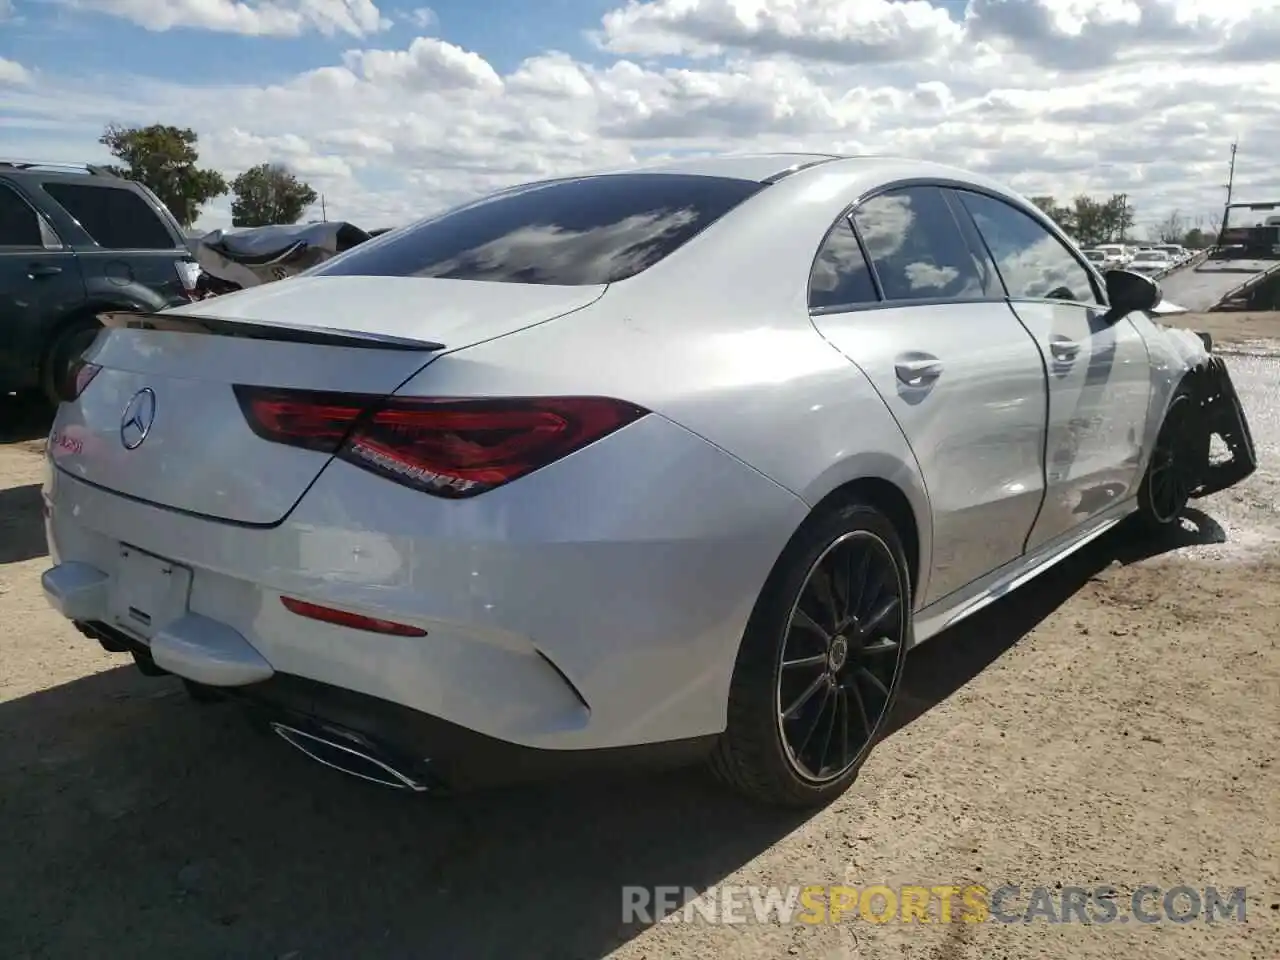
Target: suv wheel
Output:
[(63, 354)]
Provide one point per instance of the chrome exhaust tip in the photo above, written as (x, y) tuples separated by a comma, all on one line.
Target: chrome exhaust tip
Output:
[(348, 759)]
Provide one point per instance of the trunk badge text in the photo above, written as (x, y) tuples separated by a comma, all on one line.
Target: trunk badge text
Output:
[(138, 416)]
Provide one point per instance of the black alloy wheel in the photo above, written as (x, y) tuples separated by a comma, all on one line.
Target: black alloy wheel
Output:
[(840, 657)]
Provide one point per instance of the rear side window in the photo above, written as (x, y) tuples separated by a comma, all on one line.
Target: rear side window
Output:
[(917, 248), (1034, 263), (116, 219), (19, 226), (840, 276), (584, 231)]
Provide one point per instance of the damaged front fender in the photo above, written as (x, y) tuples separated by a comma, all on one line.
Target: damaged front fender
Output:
[(1221, 414)]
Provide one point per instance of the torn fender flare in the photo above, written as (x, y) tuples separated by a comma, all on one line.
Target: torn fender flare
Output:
[(1222, 414)]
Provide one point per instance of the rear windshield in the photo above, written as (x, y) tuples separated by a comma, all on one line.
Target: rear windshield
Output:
[(585, 231)]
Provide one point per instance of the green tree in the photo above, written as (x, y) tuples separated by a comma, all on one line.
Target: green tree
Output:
[(1101, 221), (269, 193), (164, 159), (1196, 239), (1064, 217)]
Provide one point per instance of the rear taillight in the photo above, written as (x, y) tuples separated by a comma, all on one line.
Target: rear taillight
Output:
[(79, 377), (443, 446)]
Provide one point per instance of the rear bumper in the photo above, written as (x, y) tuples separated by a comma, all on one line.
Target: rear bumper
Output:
[(436, 755), (594, 604)]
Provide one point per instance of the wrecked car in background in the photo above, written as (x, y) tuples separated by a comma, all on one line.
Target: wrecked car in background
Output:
[(239, 258)]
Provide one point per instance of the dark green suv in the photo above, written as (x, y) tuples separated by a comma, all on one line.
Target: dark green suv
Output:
[(76, 241)]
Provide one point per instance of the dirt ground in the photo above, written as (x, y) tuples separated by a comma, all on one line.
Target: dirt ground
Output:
[(1113, 723)]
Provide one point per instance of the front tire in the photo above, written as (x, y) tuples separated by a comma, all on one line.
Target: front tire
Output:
[(1177, 465), (820, 663)]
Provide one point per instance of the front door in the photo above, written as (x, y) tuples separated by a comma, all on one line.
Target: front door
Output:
[(961, 376), (1099, 375)]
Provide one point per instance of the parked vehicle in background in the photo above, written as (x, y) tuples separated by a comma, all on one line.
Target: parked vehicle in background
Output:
[(240, 258), (1176, 253), (1119, 253), (76, 241), (1150, 261), (1101, 259), (571, 472)]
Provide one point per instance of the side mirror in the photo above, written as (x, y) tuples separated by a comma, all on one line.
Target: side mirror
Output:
[(1128, 292)]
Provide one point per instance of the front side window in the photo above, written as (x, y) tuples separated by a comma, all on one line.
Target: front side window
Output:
[(1034, 263), (917, 248), (840, 277), (583, 231), (116, 218)]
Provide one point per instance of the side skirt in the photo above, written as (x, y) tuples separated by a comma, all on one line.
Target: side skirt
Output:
[(950, 610)]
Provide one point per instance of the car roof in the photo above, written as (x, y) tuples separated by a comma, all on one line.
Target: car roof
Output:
[(863, 171)]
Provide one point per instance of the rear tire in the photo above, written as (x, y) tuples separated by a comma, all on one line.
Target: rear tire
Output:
[(62, 354), (820, 662), (1177, 465)]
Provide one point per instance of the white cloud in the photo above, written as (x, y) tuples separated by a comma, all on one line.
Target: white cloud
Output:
[(1053, 96), (6, 10), (422, 18), (13, 72), (277, 18), (869, 31), (428, 64)]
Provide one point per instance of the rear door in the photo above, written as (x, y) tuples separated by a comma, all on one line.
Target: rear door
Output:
[(39, 282), (1099, 374), (929, 327), (132, 244)]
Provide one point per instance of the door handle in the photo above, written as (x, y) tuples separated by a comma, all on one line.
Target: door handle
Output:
[(1064, 349), (916, 371), (42, 270)]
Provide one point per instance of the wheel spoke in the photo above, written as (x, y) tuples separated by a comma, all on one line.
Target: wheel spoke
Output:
[(802, 621), (798, 705), (852, 688), (872, 586), (879, 647), (833, 699), (817, 722), (882, 614), (821, 582), (817, 660), (875, 681), (842, 705)]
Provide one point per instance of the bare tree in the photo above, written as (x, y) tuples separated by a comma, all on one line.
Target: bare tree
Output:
[(1172, 228)]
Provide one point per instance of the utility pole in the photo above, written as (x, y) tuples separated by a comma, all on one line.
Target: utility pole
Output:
[(324, 216), (1231, 182), (1124, 213)]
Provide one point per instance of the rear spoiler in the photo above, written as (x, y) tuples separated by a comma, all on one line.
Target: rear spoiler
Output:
[(258, 330)]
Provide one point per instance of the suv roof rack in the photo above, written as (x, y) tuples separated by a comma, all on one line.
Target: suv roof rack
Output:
[(90, 169)]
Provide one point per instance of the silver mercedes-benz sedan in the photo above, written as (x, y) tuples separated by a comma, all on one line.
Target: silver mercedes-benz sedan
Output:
[(669, 462)]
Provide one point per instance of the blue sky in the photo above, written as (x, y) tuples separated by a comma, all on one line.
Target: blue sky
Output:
[(52, 36)]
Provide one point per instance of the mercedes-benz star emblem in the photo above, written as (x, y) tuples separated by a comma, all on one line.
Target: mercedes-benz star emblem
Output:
[(138, 416)]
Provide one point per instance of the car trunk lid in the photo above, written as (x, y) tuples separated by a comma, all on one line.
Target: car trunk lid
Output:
[(160, 422)]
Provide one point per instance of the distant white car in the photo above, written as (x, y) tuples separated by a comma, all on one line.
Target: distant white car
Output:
[(1118, 252), (1150, 261), (1176, 253), (1102, 259)]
